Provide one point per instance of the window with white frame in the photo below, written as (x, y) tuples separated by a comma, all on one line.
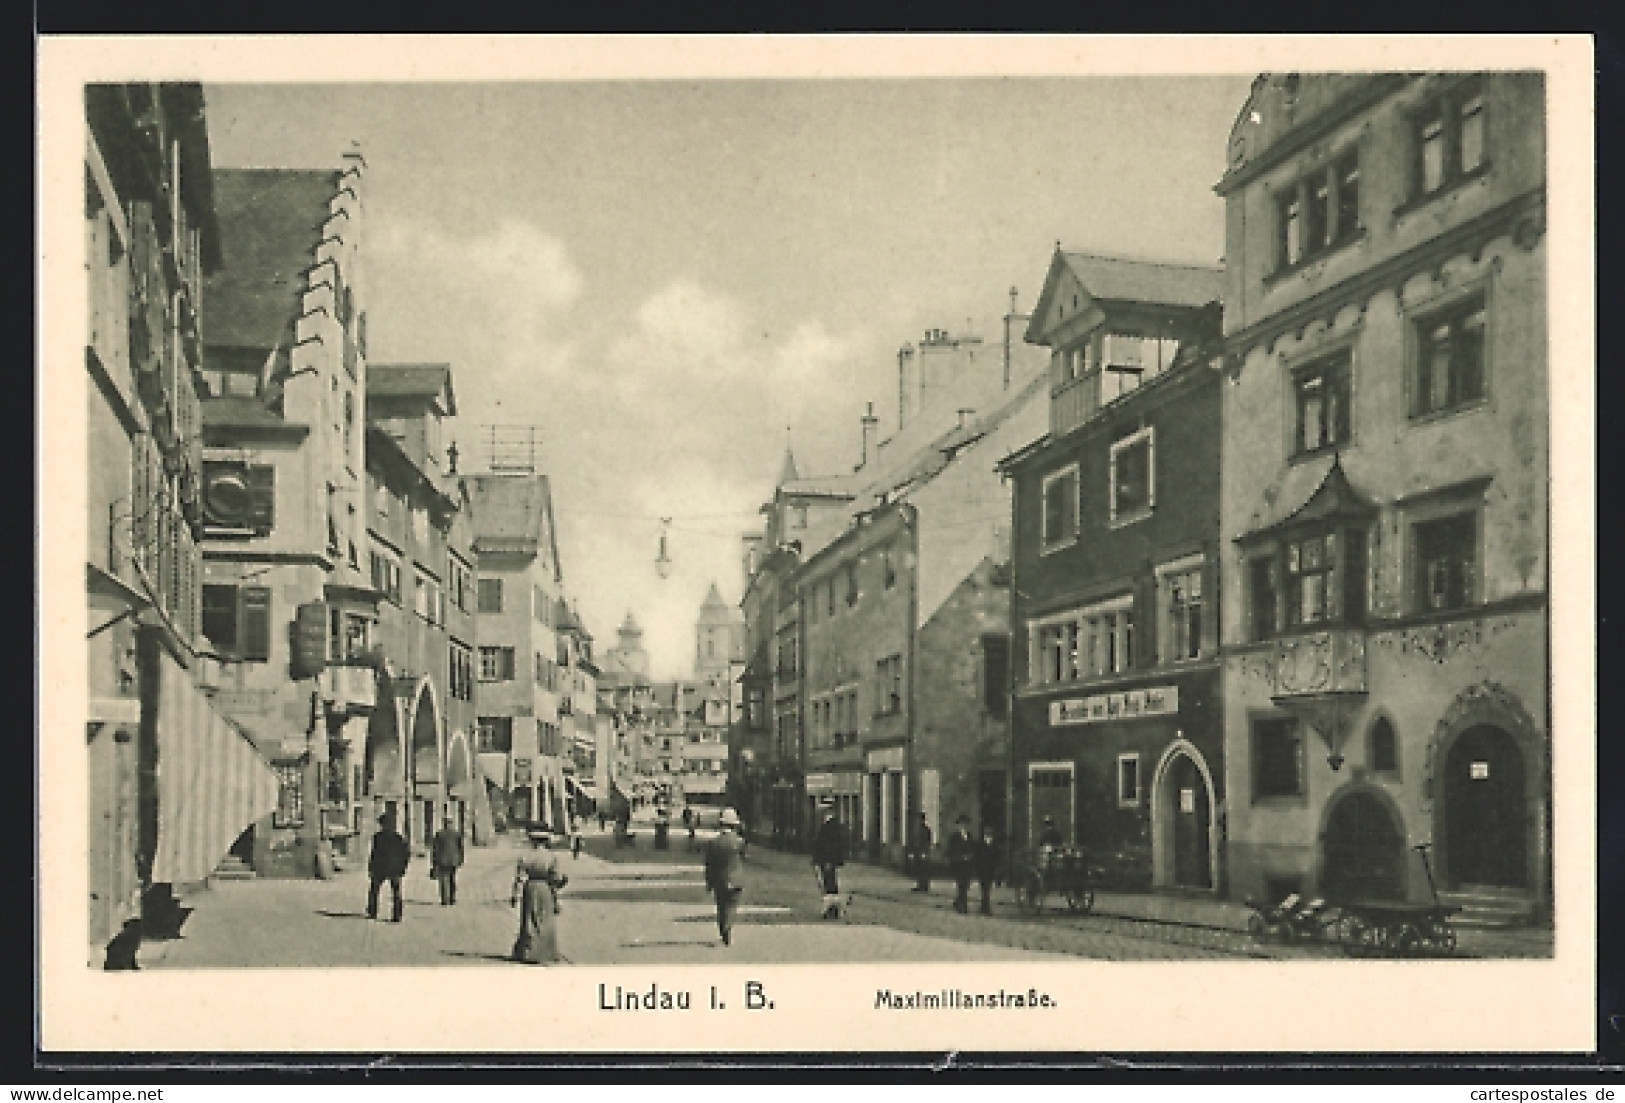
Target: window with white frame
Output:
[(1181, 608), (1060, 513), (1128, 780), (1089, 643), (1133, 476)]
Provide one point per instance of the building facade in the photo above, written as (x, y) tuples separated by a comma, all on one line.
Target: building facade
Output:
[(283, 474), (1118, 729), (421, 565), (518, 681), (154, 743), (1384, 516)]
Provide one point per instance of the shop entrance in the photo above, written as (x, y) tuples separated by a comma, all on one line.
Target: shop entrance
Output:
[(1364, 851), (1485, 810), (1049, 789)]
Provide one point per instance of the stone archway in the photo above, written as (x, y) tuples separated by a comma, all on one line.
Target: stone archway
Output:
[(1184, 820), (1489, 777), (1362, 846), (426, 745)]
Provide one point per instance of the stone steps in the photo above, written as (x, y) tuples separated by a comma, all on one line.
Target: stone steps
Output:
[(1490, 906)]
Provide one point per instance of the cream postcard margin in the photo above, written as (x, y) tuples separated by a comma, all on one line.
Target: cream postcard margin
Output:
[(1340, 1006)]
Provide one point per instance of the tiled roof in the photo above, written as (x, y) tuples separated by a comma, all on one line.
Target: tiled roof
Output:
[(425, 380), (507, 507), (270, 224), (1147, 281)]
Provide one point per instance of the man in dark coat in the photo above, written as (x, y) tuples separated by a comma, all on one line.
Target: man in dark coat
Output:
[(829, 854), (987, 866), (920, 855), (722, 872), (1050, 835), (962, 862), (387, 862), (446, 857)]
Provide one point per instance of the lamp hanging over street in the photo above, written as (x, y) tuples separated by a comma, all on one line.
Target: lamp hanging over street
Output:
[(662, 560)]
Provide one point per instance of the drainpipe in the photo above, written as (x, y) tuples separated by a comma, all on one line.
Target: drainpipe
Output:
[(910, 517), (1010, 702)]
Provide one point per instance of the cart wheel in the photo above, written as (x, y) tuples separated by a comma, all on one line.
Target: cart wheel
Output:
[(1256, 926), (1030, 894), (1352, 933), (1080, 900)]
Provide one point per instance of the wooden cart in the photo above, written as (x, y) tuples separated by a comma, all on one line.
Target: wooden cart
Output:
[(1388, 928), (1061, 870)]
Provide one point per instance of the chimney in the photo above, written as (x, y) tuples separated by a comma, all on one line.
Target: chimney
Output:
[(1008, 319), (870, 424), (965, 414), (904, 355)]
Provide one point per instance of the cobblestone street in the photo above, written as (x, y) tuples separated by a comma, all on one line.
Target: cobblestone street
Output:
[(647, 906)]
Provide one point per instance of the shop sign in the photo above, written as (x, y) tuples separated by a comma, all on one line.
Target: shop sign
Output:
[(1102, 707)]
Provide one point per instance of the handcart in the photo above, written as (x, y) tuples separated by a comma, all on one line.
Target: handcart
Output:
[(1061, 870), (1389, 928)]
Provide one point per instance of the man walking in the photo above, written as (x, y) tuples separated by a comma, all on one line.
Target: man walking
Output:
[(987, 866), (829, 854), (962, 862), (446, 857), (387, 862), (920, 855), (722, 870)]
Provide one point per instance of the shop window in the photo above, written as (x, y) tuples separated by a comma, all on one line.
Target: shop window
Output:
[(1128, 781), (1060, 518), (237, 621), (1384, 750), (1322, 392), (1133, 470), (1319, 212), (1450, 350), (995, 675), (490, 595), (1449, 137), (494, 734), (1445, 562), (1278, 759), (496, 664)]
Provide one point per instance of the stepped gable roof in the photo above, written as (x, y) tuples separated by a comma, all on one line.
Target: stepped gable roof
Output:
[(1335, 499), (432, 381), (1124, 279), (271, 221)]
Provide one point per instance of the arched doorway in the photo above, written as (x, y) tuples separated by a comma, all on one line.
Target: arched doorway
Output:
[(1184, 837), (1362, 849), (427, 773), (1485, 804)]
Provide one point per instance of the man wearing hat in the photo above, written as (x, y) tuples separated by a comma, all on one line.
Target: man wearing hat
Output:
[(387, 862), (446, 855), (722, 870), (829, 854), (962, 861), (1050, 835)]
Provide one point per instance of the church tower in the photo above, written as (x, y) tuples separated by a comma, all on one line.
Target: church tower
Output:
[(718, 641)]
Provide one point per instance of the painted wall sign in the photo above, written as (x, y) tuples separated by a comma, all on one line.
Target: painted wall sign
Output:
[(1131, 705)]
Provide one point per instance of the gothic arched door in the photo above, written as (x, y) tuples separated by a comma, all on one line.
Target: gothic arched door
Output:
[(1364, 855), (1188, 788), (1484, 809)]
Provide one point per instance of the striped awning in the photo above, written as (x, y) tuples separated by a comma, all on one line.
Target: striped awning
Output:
[(212, 782)]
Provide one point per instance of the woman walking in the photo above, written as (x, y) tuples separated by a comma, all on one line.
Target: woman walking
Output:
[(536, 883)]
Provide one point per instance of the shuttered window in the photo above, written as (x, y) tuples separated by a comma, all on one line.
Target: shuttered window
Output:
[(237, 621)]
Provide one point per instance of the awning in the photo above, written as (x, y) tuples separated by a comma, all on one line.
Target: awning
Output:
[(212, 782)]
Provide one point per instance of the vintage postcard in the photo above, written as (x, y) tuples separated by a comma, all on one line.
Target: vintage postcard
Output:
[(911, 543)]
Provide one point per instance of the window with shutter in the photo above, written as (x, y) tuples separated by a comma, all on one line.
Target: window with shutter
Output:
[(261, 498), (255, 623)]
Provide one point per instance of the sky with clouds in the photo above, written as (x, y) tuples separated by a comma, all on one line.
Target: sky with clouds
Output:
[(661, 276)]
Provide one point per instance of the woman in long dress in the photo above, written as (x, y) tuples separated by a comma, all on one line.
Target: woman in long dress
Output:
[(536, 883)]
